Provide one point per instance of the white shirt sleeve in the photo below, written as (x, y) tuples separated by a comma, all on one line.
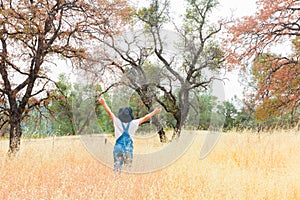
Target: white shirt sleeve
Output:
[(134, 124)]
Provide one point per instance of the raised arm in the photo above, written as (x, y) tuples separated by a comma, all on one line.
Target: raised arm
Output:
[(107, 109), (148, 116)]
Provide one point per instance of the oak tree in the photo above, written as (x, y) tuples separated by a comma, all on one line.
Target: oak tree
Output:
[(278, 81), (177, 73), (33, 33), (252, 38)]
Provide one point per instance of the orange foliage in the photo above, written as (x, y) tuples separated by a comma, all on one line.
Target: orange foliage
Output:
[(277, 78), (278, 82), (251, 35), (32, 31)]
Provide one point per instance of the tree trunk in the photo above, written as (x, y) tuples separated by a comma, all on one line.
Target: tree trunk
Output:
[(177, 131), (146, 94), (178, 125), (160, 130), (14, 137), (182, 112)]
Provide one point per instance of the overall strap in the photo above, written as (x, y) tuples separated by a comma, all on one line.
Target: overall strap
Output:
[(125, 129)]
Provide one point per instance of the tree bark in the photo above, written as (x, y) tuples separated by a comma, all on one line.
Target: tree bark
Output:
[(177, 131), (160, 130), (181, 114), (145, 93), (178, 125), (14, 137)]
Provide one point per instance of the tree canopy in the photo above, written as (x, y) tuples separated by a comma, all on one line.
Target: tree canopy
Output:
[(195, 53), (33, 32), (252, 39), (273, 23)]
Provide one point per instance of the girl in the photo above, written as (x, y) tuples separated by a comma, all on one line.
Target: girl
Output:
[(125, 127)]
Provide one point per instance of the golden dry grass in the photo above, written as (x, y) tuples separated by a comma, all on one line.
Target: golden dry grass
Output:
[(242, 166)]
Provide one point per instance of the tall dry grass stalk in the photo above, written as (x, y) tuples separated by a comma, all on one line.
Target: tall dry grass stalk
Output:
[(242, 166)]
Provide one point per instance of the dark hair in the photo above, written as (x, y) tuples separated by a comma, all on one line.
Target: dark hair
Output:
[(125, 114)]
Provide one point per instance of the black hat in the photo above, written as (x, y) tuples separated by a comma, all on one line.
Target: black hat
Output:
[(125, 114)]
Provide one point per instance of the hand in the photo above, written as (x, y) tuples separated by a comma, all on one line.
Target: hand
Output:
[(157, 110), (101, 100)]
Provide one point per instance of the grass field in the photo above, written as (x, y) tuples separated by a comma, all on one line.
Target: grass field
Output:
[(242, 166)]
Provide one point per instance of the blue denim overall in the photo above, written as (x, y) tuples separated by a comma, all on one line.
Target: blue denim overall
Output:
[(123, 149)]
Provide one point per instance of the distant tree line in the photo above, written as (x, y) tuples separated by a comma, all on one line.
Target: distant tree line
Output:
[(56, 116)]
